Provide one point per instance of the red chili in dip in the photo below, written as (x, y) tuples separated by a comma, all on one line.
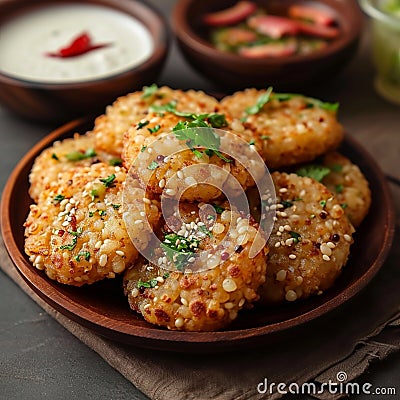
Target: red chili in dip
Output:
[(80, 45)]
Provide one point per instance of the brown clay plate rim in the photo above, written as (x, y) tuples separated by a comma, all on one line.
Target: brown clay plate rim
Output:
[(156, 338)]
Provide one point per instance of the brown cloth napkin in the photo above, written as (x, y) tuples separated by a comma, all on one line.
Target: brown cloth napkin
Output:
[(348, 339)]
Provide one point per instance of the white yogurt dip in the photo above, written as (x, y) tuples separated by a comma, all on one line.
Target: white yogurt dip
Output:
[(26, 39)]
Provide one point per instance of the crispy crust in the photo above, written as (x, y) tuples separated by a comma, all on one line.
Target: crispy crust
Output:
[(142, 148), (128, 110), (284, 132), (80, 237), (53, 160), (310, 241), (202, 301), (349, 185)]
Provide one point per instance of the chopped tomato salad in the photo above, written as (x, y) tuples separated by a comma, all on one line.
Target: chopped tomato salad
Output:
[(249, 30)]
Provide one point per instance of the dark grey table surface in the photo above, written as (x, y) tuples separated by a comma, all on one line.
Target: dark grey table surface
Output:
[(41, 360)]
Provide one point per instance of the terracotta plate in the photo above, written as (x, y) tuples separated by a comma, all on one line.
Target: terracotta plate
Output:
[(103, 308)]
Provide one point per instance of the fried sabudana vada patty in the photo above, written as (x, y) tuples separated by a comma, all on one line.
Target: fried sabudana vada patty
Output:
[(285, 132), (129, 110), (349, 185), (61, 156), (159, 156), (310, 240), (211, 298), (76, 232)]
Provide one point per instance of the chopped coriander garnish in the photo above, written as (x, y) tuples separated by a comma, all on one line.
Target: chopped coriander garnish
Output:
[(149, 284), (76, 233), (286, 203), (143, 149), (289, 203), (197, 153), (102, 213), (75, 156), (325, 105), (153, 165), (168, 107), (284, 96), (115, 162), (55, 157), (205, 138), (185, 130), (91, 213), (116, 206), (180, 126), (261, 102), (149, 91), (57, 198), (344, 205), (323, 203), (222, 157), (109, 181), (265, 137), (252, 142), (178, 249), (210, 217), (311, 102), (141, 125), (180, 243), (218, 209), (81, 254), (314, 171), (213, 119), (217, 120), (339, 188), (205, 230), (296, 236), (166, 275), (79, 156), (154, 129), (72, 245)]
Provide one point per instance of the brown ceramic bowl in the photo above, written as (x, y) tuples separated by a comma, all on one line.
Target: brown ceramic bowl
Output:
[(103, 308), (285, 73), (63, 101)]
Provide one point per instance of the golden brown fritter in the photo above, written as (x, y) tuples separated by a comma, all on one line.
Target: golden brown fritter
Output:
[(76, 232), (157, 157), (129, 110), (310, 241), (210, 299), (285, 132), (60, 157), (349, 185)]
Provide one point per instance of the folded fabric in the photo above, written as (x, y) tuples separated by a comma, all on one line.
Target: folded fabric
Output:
[(314, 352)]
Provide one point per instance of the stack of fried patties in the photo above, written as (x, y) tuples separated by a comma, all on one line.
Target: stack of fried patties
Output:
[(202, 273)]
